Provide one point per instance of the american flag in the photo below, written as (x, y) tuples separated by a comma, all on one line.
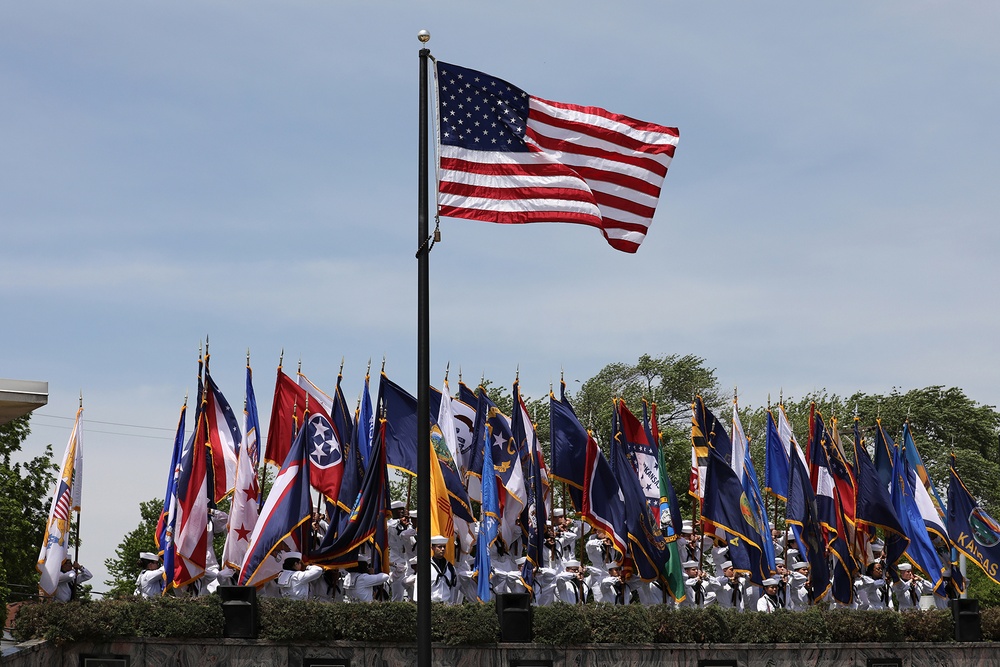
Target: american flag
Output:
[(509, 157)]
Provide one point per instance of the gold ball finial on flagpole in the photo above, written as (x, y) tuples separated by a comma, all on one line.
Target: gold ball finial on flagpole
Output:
[(424, 36)]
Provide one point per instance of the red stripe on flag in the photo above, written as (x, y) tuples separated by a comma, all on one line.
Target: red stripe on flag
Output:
[(512, 194)]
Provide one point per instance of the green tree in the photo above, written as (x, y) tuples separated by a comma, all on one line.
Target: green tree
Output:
[(671, 381), (25, 490), (941, 421), (123, 568)]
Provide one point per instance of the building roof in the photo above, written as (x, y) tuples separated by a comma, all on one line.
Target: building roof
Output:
[(19, 397)]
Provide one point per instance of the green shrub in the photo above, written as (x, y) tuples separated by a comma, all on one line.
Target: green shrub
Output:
[(619, 624), (849, 625), (293, 620), (689, 626), (989, 618), (933, 625), (561, 624), (476, 624), (102, 621), (394, 622), (471, 623)]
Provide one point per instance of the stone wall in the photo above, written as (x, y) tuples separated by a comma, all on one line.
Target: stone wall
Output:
[(249, 653)]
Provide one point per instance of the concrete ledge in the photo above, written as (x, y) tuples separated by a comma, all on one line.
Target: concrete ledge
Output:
[(249, 653)]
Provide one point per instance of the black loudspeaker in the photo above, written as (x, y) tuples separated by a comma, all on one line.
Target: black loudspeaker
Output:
[(514, 615), (239, 611), (965, 613)]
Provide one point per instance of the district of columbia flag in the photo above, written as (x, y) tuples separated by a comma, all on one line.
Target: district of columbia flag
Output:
[(65, 501), (509, 157), (246, 494)]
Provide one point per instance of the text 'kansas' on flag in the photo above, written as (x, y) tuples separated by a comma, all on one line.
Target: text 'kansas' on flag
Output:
[(509, 157)]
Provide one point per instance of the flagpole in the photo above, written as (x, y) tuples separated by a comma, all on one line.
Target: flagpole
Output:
[(76, 492), (423, 374)]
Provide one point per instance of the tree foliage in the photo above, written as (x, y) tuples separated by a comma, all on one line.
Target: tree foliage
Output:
[(123, 568), (25, 490)]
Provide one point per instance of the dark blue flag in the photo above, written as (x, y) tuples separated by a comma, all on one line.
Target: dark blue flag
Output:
[(803, 514), (489, 523), (647, 546), (365, 515), (341, 415), (729, 516), (365, 425), (921, 549), (884, 447), (775, 461), (579, 463), (166, 526), (874, 506), (399, 409), (974, 532), (533, 517)]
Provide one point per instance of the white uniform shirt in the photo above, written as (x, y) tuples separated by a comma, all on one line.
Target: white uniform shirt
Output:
[(908, 593), (768, 604), (149, 583), (444, 581), (363, 584), (64, 590), (294, 584)]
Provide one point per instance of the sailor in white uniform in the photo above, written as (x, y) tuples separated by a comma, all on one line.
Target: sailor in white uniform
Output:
[(444, 578), (295, 577), (149, 583), (768, 602), (71, 575)]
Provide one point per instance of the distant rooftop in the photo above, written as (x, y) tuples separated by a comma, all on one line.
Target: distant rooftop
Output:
[(19, 397)]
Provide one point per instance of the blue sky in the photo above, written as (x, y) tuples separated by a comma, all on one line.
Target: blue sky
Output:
[(247, 171)]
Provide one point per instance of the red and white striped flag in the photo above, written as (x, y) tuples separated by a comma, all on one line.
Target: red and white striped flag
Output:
[(509, 157)]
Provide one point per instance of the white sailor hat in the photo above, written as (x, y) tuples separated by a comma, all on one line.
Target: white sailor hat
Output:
[(779, 561), (769, 582), (792, 553), (798, 565), (876, 548), (293, 554), (413, 514), (148, 555), (687, 526), (362, 558), (727, 564), (572, 562), (904, 567), (439, 539), (558, 511), (688, 564), (397, 505)]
